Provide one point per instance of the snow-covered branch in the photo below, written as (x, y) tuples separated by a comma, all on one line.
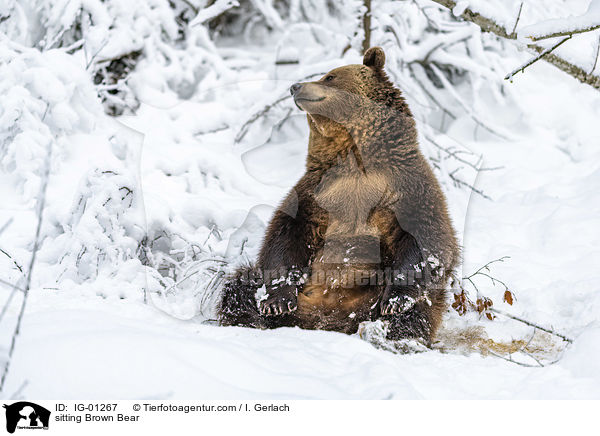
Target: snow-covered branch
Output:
[(489, 25), (553, 28)]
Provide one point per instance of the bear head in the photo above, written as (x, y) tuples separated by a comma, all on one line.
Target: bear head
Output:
[(349, 95)]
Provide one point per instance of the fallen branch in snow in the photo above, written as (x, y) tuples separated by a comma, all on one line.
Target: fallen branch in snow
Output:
[(484, 305), (531, 324), (532, 61), (516, 362), (488, 25), (36, 245)]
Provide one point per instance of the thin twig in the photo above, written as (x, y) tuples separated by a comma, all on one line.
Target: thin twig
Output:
[(11, 285), (595, 60), (208, 132), (6, 224), (180, 282), (454, 155), (487, 266), (531, 324), (104, 43), (429, 94), (12, 259), (244, 129), (517, 21), (8, 301), (19, 391), (447, 85), (536, 58), (510, 359), (36, 246), (467, 185)]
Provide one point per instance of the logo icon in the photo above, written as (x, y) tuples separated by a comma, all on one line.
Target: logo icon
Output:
[(26, 415)]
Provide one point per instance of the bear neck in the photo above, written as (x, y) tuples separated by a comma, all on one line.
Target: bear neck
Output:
[(371, 132), (324, 150)]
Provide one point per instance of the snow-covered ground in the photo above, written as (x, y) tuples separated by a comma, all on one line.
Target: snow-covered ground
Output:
[(144, 211)]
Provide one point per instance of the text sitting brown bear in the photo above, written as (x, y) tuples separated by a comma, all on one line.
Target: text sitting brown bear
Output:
[(365, 233)]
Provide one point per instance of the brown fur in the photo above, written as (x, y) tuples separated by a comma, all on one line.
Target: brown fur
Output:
[(368, 201)]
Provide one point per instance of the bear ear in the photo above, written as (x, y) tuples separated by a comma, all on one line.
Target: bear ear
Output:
[(374, 58)]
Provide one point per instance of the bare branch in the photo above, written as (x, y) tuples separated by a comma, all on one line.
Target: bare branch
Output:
[(429, 94), (446, 83), (244, 129), (254, 117), (487, 266), (36, 245), (517, 20), (467, 185), (510, 359)]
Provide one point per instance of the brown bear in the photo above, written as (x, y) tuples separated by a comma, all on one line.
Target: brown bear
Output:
[(365, 233)]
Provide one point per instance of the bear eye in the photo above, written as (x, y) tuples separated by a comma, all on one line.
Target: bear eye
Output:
[(329, 78)]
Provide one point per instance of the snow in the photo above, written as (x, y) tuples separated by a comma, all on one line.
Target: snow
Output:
[(85, 347), (146, 211), (588, 20)]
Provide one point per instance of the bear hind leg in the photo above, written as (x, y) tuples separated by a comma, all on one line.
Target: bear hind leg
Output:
[(238, 302), (421, 321)]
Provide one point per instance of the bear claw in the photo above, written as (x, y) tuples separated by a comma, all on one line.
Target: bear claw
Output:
[(276, 308), (390, 308)]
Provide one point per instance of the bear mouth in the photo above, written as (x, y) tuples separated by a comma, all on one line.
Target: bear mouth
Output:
[(309, 99), (299, 99)]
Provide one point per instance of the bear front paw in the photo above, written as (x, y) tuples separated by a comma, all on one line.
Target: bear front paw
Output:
[(396, 301), (392, 306), (284, 301)]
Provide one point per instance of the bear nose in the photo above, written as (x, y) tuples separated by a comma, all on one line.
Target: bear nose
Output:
[(295, 88)]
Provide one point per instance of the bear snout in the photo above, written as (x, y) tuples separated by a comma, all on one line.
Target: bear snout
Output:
[(295, 88)]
